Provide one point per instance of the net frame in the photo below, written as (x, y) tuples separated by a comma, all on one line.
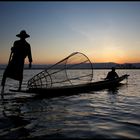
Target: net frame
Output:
[(48, 74)]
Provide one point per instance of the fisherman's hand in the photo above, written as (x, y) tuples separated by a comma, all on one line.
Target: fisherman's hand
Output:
[(30, 65)]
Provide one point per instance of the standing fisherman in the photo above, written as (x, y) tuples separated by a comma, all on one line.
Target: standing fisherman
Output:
[(20, 50)]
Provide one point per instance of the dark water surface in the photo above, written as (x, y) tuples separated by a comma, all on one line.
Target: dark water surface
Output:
[(97, 114)]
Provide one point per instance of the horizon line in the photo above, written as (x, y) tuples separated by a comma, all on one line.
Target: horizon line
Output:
[(56, 62)]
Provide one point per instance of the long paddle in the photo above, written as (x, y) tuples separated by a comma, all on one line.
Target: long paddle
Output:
[(3, 80)]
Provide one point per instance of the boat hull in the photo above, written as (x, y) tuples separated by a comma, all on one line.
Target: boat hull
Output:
[(74, 89)]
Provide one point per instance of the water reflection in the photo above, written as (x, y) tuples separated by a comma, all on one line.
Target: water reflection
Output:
[(113, 95), (12, 121), (113, 90)]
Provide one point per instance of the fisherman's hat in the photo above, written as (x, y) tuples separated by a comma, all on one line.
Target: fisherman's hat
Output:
[(23, 34)]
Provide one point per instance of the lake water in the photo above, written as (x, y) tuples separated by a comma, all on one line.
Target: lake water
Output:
[(97, 114)]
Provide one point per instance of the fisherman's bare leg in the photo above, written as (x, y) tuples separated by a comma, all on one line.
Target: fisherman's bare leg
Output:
[(20, 83), (3, 85), (2, 92), (3, 82)]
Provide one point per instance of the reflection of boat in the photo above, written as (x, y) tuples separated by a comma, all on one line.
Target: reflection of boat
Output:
[(73, 89)]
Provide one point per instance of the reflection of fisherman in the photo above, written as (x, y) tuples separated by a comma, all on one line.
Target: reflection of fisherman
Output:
[(111, 75), (19, 51), (13, 120)]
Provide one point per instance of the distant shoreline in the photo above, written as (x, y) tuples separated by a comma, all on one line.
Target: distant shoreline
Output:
[(81, 68), (108, 65)]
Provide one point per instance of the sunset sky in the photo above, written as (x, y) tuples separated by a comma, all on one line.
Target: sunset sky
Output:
[(104, 31)]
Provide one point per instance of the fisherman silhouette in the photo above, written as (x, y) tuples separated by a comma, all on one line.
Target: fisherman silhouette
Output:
[(112, 74), (20, 50)]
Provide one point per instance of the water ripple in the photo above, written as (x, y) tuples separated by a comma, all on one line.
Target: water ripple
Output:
[(97, 114)]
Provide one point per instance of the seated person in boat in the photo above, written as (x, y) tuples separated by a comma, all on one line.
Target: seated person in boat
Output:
[(111, 75)]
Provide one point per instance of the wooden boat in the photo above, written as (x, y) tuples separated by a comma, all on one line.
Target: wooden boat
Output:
[(74, 89), (58, 79)]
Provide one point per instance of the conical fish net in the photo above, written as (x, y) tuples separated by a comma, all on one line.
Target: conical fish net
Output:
[(72, 70)]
